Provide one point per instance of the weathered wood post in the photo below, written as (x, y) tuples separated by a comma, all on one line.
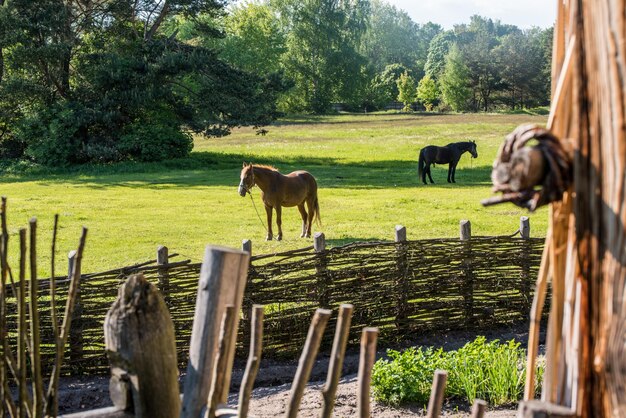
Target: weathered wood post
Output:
[(524, 229), (246, 303), (76, 331), (219, 371), (437, 392), (140, 343), (367, 357), (401, 282), (321, 269), (307, 358), (254, 360), (468, 274), (222, 281), (162, 272), (478, 408), (335, 365)]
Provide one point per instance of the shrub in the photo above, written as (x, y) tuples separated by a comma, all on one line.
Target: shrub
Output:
[(480, 369), (155, 142)]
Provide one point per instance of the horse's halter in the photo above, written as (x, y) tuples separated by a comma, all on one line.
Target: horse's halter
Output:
[(244, 186)]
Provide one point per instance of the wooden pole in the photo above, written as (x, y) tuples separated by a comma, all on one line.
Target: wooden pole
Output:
[(76, 330), (226, 331), (401, 284), (524, 227), (246, 245), (24, 402), (336, 359), (321, 269), (436, 394), (540, 409), (465, 230), (367, 357), (222, 280), (140, 343), (163, 274), (254, 360), (307, 358), (35, 354), (479, 408)]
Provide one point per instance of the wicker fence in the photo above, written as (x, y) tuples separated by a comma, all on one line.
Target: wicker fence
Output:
[(403, 287)]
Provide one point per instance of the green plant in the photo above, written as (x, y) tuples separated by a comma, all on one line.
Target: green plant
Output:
[(492, 371)]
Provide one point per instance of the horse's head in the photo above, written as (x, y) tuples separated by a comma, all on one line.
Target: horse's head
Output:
[(472, 149), (246, 181)]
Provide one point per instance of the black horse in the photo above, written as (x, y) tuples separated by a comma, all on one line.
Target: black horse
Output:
[(450, 154)]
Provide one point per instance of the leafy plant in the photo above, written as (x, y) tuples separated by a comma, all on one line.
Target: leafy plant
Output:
[(488, 370)]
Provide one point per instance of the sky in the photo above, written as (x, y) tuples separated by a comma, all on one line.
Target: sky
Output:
[(524, 14)]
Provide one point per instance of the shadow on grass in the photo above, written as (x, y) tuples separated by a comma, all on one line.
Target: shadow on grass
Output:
[(205, 169)]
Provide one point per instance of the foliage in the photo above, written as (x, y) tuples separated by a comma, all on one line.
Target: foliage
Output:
[(428, 92), (437, 52), (407, 92), (480, 369), (384, 88), (455, 81), (82, 74)]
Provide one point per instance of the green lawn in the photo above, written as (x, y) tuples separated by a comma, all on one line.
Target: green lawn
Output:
[(366, 167)]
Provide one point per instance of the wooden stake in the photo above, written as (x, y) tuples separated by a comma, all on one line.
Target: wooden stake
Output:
[(336, 359), (311, 346), (254, 359), (140, 343), (436, 394), (479, 408), (35, 357), (226, 331), (24, 403), (222, 280), (367, 357)]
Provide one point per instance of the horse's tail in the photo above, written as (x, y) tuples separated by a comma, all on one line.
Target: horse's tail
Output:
[(316, 212), (420, 164)]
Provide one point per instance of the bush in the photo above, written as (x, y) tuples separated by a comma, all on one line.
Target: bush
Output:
[(147, 142), (480, 369)]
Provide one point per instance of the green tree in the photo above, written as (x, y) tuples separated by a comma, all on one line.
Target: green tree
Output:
[(383, 87), (105, 80), (321, 56), (407, 92), (437, 50), (254, 40), (455, 80), (427, 92)]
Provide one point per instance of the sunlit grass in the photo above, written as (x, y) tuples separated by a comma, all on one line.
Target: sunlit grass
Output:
[(365, 166)]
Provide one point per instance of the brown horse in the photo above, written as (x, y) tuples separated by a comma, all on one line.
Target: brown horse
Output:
[(278, 190)]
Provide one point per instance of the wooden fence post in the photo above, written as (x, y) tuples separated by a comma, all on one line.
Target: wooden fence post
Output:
[(76, 331), (222, 281), (307, 358), (336, 359), (527, 280), (437, 392), (401, 284), (479, 408), (140, 343), (468, 275), (367, 357), (163, 274), (321, 269), (254, 360), (246, 304)]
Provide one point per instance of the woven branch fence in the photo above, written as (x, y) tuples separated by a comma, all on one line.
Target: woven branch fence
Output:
[(402, 287)]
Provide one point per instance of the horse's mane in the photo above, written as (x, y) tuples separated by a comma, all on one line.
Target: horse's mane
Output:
[(269, 167)]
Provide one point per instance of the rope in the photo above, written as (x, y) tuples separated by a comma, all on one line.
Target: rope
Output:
[(257, 212)]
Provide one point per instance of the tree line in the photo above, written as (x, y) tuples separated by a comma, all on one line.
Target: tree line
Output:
[(109, 80)]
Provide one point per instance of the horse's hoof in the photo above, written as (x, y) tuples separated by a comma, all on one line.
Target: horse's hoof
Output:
[(279, 237), (302, 235), (268, 238)]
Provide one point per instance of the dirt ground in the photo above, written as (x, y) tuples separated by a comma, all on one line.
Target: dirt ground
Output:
[(273, 384)]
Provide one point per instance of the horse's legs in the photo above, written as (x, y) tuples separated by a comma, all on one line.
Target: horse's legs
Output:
[(454, 171), (429, 175), (279, 222), (309, 223), (303, 215), (268, 212)]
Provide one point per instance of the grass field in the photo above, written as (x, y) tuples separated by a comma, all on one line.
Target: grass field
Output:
[(366, 167)]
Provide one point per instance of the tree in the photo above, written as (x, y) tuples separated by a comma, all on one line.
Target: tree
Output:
[(105, 81), (437, 50), (321, 56), (455, 80), (407, 92), (427, 92), (254, 40)]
